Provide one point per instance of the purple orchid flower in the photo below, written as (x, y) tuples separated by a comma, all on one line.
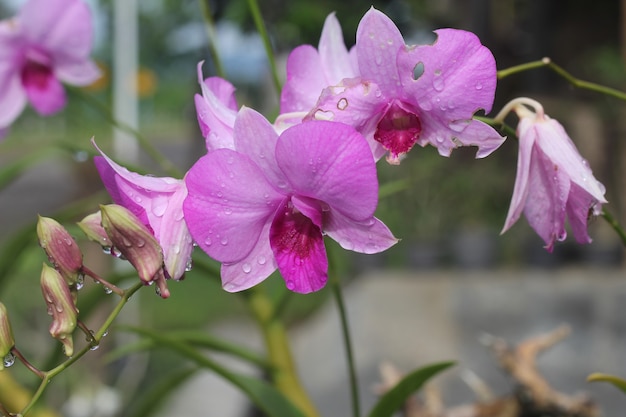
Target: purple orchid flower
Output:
[(216, 110), (553, 181), (403, 95), (47, 43), (268, 204), (157, 202)]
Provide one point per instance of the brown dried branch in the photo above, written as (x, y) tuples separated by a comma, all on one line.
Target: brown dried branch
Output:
[(533, 396)]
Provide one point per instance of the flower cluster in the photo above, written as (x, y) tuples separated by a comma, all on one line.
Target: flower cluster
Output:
[(266, 194)]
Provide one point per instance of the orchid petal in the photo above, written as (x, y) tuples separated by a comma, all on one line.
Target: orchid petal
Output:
[(298, 246), (252, 269), (334, 56), (61, 27), (564, 151), (46, 95), (256, 138), (216, 110), (369, 236), (520, 191), (330, 162), (305, 80), (228, 203), (172, 233), (355, 103), (459, 74), (548, 190), (378, 42), (77, 73), (580, 206)]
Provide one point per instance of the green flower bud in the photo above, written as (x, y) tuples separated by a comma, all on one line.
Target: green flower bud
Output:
[(61, 307), (91, 225), (62, 250), (134, 241), (6, 335)]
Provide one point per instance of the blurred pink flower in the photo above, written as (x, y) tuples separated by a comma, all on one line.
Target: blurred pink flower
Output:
[(553, 181), (158, 203), (48, 42), (268, 204)]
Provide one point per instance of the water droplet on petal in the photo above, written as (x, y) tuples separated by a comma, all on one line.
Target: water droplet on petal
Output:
[(224, 241), (246, 268), (80, 282), (189, 265), (9, 360), (106, 250), (228, 210), (478, 86), (208, 241), (261, 260), (290, 285)]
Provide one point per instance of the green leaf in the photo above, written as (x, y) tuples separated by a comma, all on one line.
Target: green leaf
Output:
[(393, 399), (611, 379), (193, 338), (271, 401)]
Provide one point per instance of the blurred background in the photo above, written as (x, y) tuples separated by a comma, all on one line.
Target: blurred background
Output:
[(452, 277)]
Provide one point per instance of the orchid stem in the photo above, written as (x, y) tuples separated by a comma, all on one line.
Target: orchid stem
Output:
[(547, 62), (148, 147), (210, 28), (47, 376), (284, 375), (347, 341), (260, 25), (615, 225), (26, 363), (102, 281)]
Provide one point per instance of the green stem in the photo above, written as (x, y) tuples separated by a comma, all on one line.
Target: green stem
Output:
[(260, 25), (210, 28), (547, 62), (615, 225), (347, 341), (145, 144), (47, 376), (284, 374)]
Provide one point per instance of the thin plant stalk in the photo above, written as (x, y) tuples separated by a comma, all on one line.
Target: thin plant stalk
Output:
[(210, 28), (576, 82), (615, 225), (260, 25), (347, 343), (97, 336), (284, 375)]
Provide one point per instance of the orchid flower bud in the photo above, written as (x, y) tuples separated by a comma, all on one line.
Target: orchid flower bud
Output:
[(133, 240), (6, 335), (61, 307), (91, 225), (62, 250)]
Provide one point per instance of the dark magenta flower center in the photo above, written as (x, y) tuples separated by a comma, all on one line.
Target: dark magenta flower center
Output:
[(398, 131), (36, 75), (293, 232)]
